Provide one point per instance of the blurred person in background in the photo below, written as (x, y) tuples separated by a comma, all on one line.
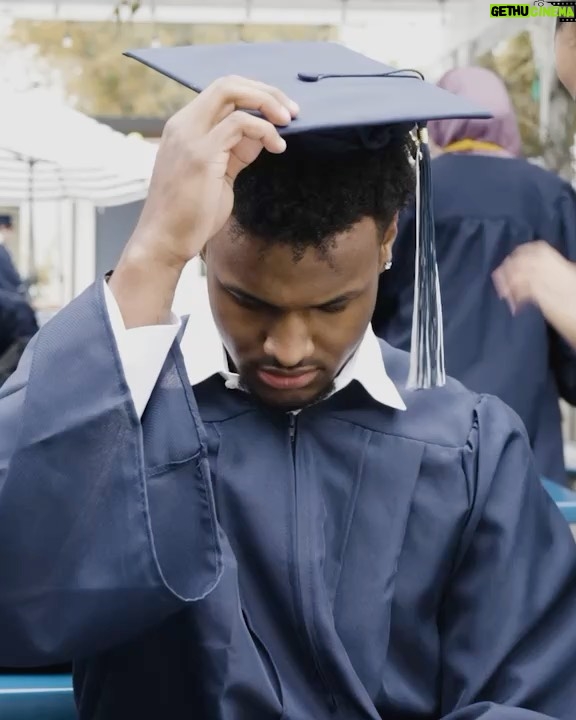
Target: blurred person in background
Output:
[(488, 202), (536, 273), (18, 322), (9, 276)]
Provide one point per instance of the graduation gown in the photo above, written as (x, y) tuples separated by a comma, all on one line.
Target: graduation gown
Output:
[(217, 560), (485, 207), (17, 319)]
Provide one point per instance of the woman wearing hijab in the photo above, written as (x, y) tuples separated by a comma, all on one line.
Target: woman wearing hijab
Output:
[(489, 202)]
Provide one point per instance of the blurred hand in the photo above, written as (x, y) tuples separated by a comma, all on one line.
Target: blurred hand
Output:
[(536, 273)]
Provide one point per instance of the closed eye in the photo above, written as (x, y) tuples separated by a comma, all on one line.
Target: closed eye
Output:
[(334, 307), (250, 303)]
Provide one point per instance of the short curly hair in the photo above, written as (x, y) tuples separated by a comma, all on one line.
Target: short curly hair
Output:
[(303, 199)]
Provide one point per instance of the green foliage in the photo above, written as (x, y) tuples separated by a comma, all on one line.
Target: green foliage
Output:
[(103, 82), (515, 64), (132, 6), (516, 67)]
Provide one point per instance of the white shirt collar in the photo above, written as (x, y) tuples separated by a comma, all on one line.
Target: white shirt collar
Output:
[(204, 356)]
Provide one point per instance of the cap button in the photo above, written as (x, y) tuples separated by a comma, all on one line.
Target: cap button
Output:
[(308, 77)]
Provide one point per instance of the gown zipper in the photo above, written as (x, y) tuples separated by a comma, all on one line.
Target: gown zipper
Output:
[(332, 703)]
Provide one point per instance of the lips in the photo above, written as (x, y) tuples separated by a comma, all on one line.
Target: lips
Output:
[(287, 381)]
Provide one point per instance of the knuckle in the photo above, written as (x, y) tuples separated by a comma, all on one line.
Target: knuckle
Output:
[(238, 118), (227, 84), (196, 156), (170, 126)]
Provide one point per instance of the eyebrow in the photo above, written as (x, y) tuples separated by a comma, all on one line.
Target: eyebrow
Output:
[(243, 295)]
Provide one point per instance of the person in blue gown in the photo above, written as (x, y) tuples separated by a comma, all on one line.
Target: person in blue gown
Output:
[(488, 203), (18, 323), (255, 518), (9, 276)]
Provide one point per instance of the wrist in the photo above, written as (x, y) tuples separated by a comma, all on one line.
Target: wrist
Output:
[(144, 283), (149, 251)]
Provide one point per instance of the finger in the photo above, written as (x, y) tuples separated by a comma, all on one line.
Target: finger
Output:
[(242, 155), (228, 133), (281, 96), (225, 96), (499, 280), (509, 282), (519, 290)]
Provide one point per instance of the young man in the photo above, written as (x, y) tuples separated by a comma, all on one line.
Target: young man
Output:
[(269, 525), (537, 273)]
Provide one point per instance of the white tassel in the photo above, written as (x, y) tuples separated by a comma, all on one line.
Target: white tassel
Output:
[(427, 367), (415, 341)]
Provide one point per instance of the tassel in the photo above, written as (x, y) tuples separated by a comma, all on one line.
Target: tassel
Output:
[(427, 367)]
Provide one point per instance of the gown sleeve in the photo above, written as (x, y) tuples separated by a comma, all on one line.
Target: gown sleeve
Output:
[(93, 500), (508, 621), (142, 351), (563, 356)]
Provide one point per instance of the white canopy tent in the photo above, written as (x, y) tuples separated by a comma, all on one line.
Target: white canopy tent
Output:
[(51, 152)]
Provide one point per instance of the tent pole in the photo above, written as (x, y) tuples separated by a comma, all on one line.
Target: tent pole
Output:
[(73, 251), (31, 243)]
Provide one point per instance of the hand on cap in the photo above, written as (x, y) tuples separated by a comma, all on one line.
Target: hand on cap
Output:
[(202, 150), (536, 273)]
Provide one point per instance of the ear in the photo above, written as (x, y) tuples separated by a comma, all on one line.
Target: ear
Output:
[(387, 243)]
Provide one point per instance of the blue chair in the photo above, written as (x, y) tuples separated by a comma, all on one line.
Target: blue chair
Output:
[(37, 697)]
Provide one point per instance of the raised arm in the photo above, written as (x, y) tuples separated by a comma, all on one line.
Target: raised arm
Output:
[(537, 273), (107, 519)]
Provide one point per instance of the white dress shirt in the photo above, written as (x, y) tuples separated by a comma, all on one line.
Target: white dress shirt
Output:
[(143, 351)]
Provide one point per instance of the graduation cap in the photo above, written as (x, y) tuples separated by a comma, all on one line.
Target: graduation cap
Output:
[(347, 101)]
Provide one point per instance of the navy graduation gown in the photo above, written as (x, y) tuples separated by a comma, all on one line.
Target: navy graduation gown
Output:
[(484, 208), (224, 561), (10, 279), (17, 319)]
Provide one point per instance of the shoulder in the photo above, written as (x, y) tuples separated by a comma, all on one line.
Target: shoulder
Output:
[(544, 178), (449, 416), (508, 167)]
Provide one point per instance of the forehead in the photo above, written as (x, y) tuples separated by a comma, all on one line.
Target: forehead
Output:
[(566, 31), (566, 56), (271, 272)]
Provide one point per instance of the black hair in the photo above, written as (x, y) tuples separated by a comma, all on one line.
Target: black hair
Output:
[(303, 199)]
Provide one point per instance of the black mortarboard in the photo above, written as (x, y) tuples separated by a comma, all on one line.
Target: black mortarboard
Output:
[(346, 101)]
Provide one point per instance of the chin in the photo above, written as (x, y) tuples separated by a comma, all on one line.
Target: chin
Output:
[(287, 400)]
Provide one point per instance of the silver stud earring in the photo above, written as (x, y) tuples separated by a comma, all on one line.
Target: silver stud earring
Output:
[(388, 265)]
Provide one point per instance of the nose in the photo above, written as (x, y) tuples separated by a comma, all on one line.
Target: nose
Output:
[(289, 341)]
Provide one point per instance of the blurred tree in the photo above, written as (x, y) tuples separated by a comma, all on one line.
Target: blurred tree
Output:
[(122, 7), (515, 64), (88, 57)]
